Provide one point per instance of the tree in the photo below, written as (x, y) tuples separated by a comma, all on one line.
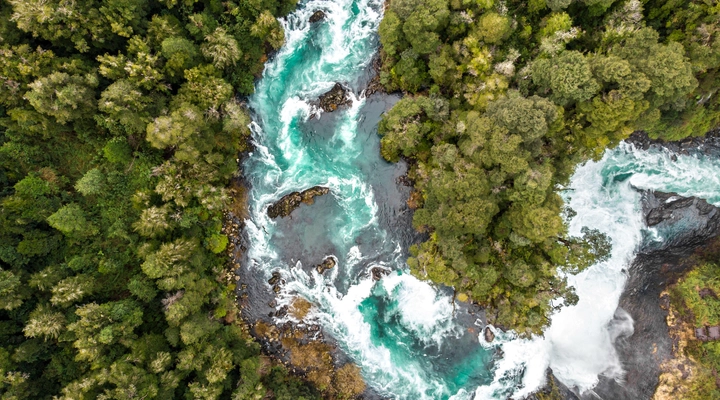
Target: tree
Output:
[(665, 65), (12, 291), (44, 322), (267, 28), (567, 77), (91, 183), (63, 96), (493, 27), (221, 48), (71, 220)]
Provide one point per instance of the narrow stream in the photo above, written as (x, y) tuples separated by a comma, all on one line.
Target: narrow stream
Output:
[(403, 333)]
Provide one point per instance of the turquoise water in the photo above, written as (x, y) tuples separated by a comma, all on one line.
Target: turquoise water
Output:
[(405, 334)]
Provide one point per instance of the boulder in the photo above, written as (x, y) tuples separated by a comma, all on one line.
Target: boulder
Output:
[(336, 97), (378, 273), (714, 332), (274, 279), (288, 203), (328, 263), (317, 16), (489, 335), (701, 334)]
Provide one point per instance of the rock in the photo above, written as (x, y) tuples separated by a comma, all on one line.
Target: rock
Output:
[(489, 335), (317, 16), (328, 263), (275, 278), (709, 144), (701, 334), (714, 332), (288, 203), (374, 86), (336, 97), (554, 389), (378, 273)]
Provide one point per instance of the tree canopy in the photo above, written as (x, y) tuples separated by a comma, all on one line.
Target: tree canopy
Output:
[(120, 127)]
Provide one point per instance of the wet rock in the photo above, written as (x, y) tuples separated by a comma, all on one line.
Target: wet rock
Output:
[(317, 16), (554, 389), (288, 203), (709, 144), (378, 273), (489, 335), (374, 86), (671, 208), (336, 97), (328, 263), (698, 219), (275, 278)]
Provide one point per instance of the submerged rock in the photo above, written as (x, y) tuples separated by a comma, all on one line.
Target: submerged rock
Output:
[(328, 263), (336, 97), (317, 16), (288, 203)]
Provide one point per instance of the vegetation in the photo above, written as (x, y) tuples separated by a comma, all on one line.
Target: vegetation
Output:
[(694, 299), (504, 99), (119, 133)]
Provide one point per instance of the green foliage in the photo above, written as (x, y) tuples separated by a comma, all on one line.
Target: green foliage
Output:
[(119, 132), (567, 78), (493, 27)]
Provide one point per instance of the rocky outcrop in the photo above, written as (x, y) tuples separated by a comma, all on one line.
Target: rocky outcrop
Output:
[(326, 264), (335, 98), (317, 16), (709, 144), (489, 335), (553, 390), (687, 225), (288, 203), (377, 273)]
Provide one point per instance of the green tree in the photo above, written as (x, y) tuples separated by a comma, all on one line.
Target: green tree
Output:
[(63, 96), (567, 78)]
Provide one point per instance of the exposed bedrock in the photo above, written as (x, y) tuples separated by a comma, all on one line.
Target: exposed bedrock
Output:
[(709, 144), (288, 203), (317, 16), (334, 98), (686, 225)]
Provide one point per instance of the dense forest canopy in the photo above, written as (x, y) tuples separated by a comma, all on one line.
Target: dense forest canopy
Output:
[(119, 133), (504, 99)]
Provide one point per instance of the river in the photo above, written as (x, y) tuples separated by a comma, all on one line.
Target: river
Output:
[(405, 334)]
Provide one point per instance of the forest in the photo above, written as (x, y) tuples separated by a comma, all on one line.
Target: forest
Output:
[(120, 127), (503, 100)]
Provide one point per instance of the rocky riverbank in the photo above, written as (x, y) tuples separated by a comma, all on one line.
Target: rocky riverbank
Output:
[(688, 224)]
